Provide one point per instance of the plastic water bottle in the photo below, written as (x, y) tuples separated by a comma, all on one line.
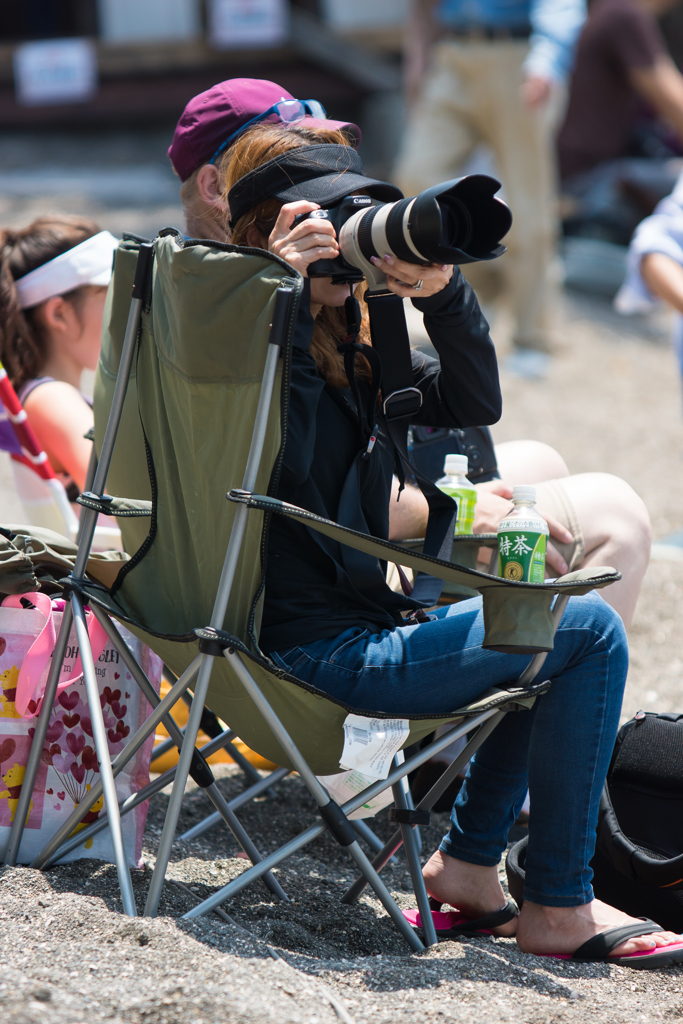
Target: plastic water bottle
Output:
[(522, 539), (456, 484)]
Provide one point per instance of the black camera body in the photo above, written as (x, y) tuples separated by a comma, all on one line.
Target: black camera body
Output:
[(458, 221), (338, 269)]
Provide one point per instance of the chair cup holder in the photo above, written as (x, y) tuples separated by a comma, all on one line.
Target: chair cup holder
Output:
[(518, 621)]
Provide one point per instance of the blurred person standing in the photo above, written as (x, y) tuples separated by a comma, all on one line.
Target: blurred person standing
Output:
[(655, 266), (622, 68), (490, 71)]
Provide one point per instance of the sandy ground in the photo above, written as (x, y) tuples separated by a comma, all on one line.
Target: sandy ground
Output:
[(610, 403)]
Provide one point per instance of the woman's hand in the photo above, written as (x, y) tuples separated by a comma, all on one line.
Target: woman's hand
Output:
[(311, 240), (402, 277)]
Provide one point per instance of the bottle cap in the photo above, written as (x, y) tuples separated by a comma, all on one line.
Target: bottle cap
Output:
[(524, 492), (455, 465)]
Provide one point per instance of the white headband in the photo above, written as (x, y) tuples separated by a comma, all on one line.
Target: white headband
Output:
[(90, 262)]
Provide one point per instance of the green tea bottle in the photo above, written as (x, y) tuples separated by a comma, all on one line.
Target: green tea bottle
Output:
[(522, 539), (456, 484)]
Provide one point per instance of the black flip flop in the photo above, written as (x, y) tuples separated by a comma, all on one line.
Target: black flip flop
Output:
[(598, 949)]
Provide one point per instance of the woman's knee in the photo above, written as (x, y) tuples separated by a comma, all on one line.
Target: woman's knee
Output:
[(591, 612), (609, 510), (529, 462)]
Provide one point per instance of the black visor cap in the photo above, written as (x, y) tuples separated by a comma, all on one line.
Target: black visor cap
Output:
[(321, 174)]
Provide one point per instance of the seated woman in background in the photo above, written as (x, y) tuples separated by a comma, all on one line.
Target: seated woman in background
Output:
[(53, 282)]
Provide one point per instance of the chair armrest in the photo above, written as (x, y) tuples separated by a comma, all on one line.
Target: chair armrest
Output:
[(120, 507), (578, 582)]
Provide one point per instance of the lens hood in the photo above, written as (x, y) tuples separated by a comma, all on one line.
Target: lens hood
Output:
[(460, 221)]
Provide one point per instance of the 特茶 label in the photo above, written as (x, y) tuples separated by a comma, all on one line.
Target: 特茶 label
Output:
[(521, 551)]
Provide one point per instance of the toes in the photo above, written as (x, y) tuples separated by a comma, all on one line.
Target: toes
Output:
[(666, 938)]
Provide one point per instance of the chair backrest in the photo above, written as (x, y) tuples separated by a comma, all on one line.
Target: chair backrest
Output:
[(196, 384)]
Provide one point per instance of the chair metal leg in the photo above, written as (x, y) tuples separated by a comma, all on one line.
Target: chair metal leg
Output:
[(102, 747), (150, 790), (214, 819), (392, 845), (313, 831), (179, 783), (362, 828), (410, 804), (38, 742), (387, 900), (237, 756), (319, 793), (413, 858), (242, 837), (86, 532), (252, 873), (176, 734)]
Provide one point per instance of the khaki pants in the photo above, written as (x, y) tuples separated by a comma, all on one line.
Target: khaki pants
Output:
[(471, 95)]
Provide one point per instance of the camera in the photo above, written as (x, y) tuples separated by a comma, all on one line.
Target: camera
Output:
[(458, 221)]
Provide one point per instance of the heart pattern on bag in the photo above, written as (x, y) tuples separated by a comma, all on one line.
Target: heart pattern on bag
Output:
[(118, 735), (75, 743), (54, 730), (119, 712), (69, 699), (69, 764), (7, 748)]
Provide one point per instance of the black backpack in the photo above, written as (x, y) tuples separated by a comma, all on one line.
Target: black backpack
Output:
[(429, 446), (638, 862)]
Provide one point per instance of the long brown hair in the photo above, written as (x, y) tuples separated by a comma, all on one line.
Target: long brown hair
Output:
[(255, 147), (22, 344)]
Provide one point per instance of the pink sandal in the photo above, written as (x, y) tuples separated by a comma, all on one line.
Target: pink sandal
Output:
[(454, 925)]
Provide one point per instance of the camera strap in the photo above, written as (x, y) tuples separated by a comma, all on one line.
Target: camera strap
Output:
[(401, 401)]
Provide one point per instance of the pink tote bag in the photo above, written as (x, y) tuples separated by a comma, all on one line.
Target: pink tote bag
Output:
[(69, 764)]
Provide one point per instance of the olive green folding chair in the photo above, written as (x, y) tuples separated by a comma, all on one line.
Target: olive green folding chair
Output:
[(195, 393)]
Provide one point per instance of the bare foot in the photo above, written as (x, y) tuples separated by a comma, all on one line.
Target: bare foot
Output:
[(563, 929), (471, 888)]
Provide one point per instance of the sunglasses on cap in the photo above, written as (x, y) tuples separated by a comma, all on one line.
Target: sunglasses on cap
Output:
[(288, 111)]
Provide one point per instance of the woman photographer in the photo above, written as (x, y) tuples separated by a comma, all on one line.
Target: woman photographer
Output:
[(594, 518), (330, 619)]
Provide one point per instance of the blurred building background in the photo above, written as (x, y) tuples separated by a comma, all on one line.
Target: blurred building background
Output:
[(92, 65)]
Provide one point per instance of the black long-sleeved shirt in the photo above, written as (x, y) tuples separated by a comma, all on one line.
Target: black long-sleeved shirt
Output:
[(315, 587)]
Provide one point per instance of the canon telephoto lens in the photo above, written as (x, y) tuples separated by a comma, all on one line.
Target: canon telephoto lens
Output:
[(458, 221)]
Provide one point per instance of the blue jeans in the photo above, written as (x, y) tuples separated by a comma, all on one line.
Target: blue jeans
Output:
[(560, 750)]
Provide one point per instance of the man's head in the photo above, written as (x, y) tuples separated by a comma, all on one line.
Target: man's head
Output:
[(200, 150)]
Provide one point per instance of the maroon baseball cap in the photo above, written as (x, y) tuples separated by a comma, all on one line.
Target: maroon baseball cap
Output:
[(212, 116)]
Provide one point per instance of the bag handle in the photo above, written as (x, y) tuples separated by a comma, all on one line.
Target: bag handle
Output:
[(42, 649)]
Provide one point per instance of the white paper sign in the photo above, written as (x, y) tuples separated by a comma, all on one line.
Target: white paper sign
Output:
[(134, 21), (370, 744), (55, 71), (360, 14), (346, 785), (243, 23)]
